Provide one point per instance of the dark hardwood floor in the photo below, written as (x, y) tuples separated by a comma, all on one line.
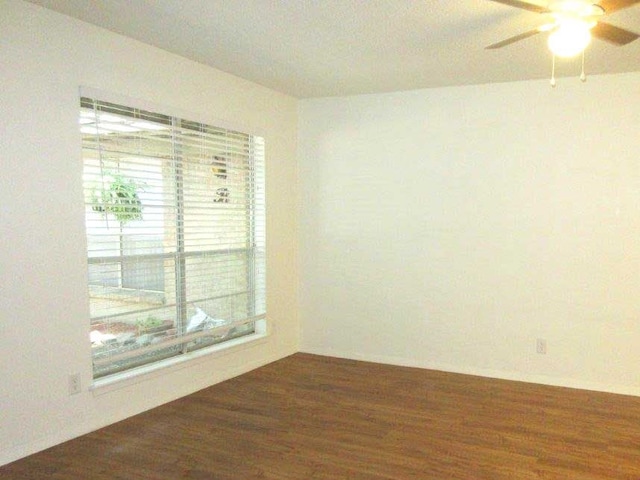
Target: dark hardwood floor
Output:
[(313, 417)]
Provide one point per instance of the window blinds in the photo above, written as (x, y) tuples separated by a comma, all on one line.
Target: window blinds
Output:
[(175, 227)]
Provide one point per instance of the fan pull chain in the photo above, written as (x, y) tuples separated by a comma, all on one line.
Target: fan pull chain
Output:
[(583, 77), (553, 72)]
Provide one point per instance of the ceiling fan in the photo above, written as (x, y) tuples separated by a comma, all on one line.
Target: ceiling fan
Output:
[(571, 24)]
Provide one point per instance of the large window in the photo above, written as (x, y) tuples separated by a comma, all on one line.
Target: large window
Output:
[(175, 234)]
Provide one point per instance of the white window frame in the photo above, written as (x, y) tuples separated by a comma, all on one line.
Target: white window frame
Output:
[(256, 279)]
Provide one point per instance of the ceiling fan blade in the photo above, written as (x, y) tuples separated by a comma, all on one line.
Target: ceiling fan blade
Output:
[(511, 40), (611, 6), (528, 6), (612, 34)]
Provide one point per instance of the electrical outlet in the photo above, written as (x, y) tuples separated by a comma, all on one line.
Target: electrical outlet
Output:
[(541, 346), (74, 384)]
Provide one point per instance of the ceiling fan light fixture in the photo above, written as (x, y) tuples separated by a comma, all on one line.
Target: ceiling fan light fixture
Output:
[(582, 8), (570, 38)]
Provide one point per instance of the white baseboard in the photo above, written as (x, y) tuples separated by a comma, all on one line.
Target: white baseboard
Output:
[(480, 372)]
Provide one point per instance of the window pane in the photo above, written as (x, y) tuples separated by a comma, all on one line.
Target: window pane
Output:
[(175, 234)]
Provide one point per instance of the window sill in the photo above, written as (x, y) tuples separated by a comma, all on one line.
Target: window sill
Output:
[(147, 372)]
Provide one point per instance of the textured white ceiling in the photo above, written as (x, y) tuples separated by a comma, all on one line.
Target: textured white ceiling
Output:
[(313, 48)]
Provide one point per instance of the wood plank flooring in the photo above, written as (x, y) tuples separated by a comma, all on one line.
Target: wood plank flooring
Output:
[(313, 417)]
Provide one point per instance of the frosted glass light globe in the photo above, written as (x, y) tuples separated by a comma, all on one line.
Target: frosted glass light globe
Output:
[(570, 38)]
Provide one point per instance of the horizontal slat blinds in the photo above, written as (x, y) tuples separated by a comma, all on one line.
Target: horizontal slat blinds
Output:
[(175, 234)]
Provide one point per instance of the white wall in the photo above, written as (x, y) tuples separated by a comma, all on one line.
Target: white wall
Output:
[(44, 58), (450, 228)]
